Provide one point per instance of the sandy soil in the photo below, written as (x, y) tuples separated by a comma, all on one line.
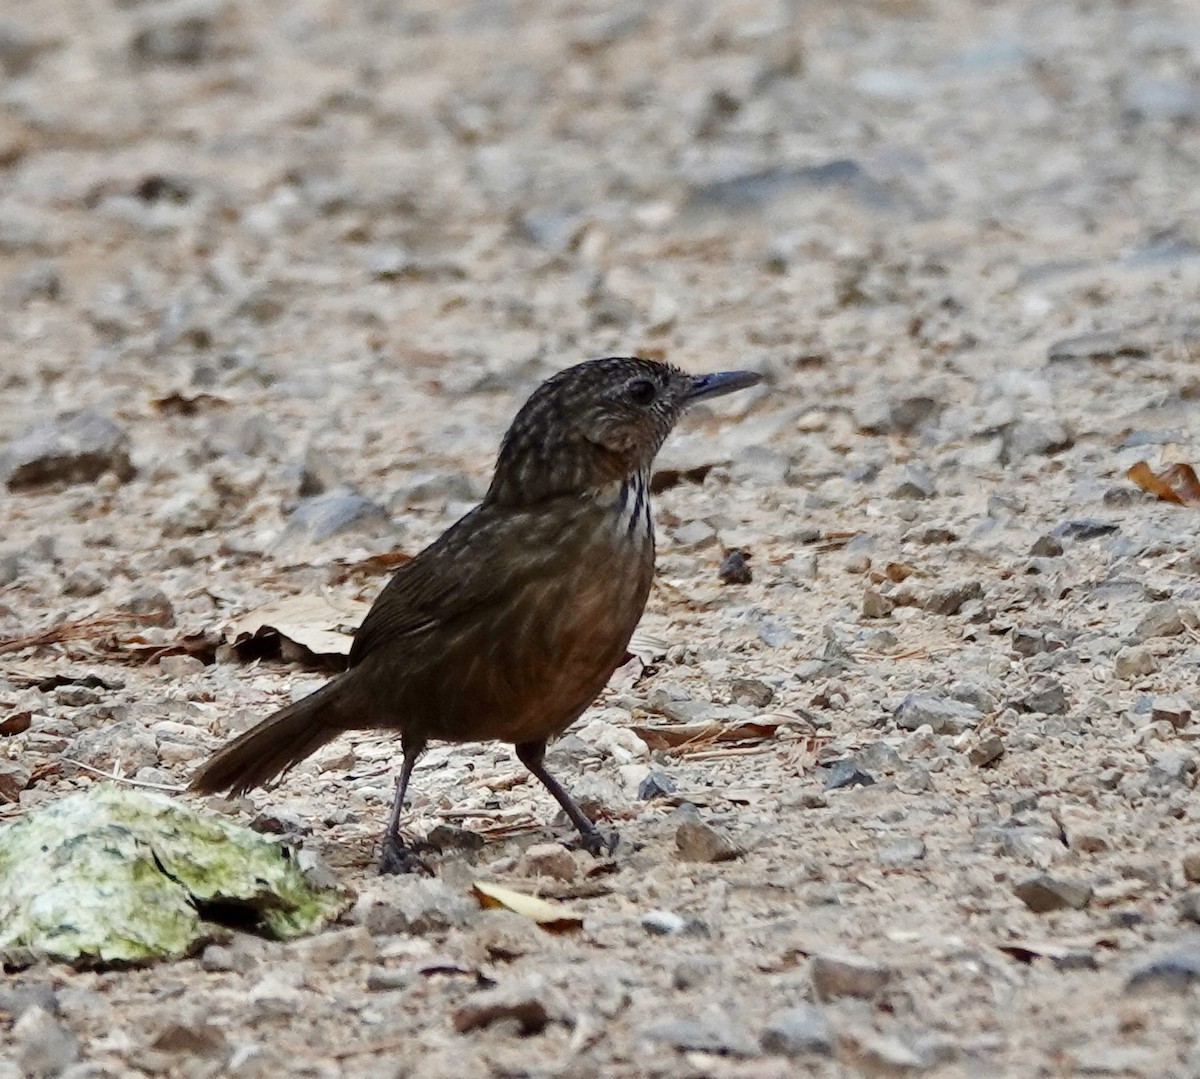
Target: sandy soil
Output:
[(293, 250)]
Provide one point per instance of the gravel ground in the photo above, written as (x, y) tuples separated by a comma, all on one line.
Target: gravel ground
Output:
[(274, 278)]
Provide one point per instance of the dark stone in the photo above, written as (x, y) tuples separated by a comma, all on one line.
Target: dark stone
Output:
[(655, 785), (1086, 528), (735, 568), (847, 774)]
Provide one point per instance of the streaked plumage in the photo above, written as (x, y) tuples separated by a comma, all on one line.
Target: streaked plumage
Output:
[(511, 622)]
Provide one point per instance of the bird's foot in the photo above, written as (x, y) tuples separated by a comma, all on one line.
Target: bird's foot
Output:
[(595, 842), (398, 857)]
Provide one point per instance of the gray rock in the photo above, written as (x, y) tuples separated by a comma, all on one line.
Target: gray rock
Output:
[(1043, 893), (1047, 697), (14, 778), (1172, 709), (434, 486), (711, 1033), (975, 695), (1083, 529), (754, 190), (944, 715), (655, 785), (1108, 345), (878, 757), (663, 923), (557, 230), (883, 414), (336, 513), (1176, 970), (17, 999), (751, 692), (798, 1031), (902, 852), (1046, 547), (1036, 436), (735, 568), (1170, 768), (126, 742), (700, 842), (876, 605), (848, 976), (150, 606), (174, 33), (913, 779), (83, 580), (694, 970), (1162, 620), (917, 482), (1134, 662), (180, 666), (696, 534), (846, 773), (42, 1046), (75, 447), (1030, 642), (948, 599), (411, 905), (1188, 905), (989, 748), (1149, 97), (191, 1035)]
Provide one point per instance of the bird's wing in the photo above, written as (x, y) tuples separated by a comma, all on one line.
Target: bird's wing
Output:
[(466, 571)]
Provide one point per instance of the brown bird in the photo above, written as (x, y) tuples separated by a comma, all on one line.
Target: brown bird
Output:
[(510, 623)]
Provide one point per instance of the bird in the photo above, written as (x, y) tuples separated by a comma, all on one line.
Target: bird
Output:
[(508, 625)]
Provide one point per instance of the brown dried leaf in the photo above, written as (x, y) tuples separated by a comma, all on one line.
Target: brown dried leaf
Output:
[(187, 404), (647, 648), (316, 623), (1176, 483), (553, 917), (16, 723), (626, 676), (696, 735), (371, 566)]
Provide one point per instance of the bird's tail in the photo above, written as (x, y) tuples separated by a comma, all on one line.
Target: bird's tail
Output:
[(278, 743)]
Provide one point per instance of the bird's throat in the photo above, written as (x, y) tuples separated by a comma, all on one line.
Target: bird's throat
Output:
[(630, 509)]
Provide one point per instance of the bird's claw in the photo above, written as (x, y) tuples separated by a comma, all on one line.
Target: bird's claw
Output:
[(398, 857), (596, 843)]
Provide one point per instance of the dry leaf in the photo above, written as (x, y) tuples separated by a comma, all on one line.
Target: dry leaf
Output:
[(188, 404), (626, 676), (1066, 955), (16, 723), (647, 648), (696, 735), (554, 917), (314, 622), (1176, 483), (371, 566)]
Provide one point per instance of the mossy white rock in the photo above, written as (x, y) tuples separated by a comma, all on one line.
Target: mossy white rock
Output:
[(113, 875)]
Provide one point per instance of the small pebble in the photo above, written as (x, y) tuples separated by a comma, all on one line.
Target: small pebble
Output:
[(735, 568), (700, 842), (848, 976)]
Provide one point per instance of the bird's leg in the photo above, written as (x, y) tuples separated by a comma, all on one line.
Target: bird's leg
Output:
[(398, 856), (532, 754)]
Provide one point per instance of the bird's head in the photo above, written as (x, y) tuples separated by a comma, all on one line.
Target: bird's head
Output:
[(597, 423)]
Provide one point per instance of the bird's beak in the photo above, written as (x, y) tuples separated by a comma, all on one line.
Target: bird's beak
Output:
[(721, 383)]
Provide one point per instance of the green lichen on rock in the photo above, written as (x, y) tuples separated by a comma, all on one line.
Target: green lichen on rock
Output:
[(113, 875)]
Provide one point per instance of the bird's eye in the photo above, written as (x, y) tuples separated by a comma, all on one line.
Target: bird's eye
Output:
[(642, 392)]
